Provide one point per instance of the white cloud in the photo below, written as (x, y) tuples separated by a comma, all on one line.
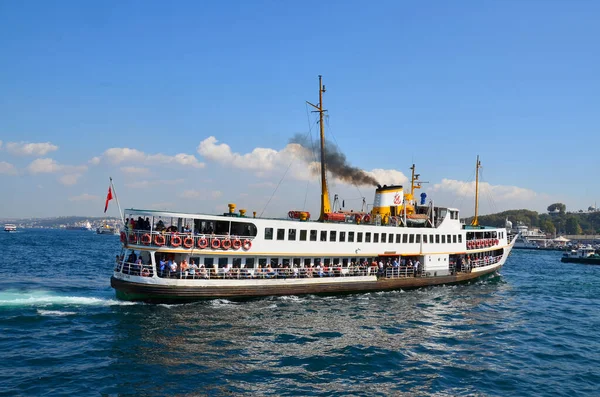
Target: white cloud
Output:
[(49, 166), (498, 192), (84, 197), (7, 168), (43, 166), (197, 194), (30, 149), (95, 160), (156, 182), (69, 179), (162, 206), (127, 155), (388, 177), (260, 159), (190, 194), (135, 170)]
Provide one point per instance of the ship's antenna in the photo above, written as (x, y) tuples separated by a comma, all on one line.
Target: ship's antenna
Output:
[(325, 203), (475, 221)]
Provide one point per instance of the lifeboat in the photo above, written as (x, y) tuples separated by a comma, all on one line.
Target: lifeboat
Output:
[(334, 217)]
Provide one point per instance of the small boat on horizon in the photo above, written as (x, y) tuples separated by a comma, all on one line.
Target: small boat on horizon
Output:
[(10, 227), (401, 243)]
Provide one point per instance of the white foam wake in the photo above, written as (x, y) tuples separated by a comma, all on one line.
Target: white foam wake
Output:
[(57, 313), (42, 298)]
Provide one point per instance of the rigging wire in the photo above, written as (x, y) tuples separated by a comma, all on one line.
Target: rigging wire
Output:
[(312, 147), (294, 157), (489, 196), (337, 144)]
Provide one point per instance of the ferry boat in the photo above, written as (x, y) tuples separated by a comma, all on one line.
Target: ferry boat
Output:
[(107, 229), (399, 244), (9, 227), (585, 255)]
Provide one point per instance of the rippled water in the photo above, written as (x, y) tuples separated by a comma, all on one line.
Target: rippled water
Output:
[(531, 330)]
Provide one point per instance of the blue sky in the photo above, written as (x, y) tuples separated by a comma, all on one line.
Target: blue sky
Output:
[(135, 89)]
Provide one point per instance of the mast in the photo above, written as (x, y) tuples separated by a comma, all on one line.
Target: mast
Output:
[(475, 221), (325, 204)]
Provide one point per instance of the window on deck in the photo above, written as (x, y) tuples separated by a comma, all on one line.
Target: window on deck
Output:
[(303, 235), (268, 233)]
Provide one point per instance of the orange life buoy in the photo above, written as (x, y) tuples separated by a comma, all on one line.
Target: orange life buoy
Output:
[(202, 242), (497, 241), (226, 244), (358, 217), (215, 243), (291, 214), (145, 272), (123, 237), (188, 242), (367, 218), (146, 239), (159, 240), (247, 244), (478, 244), (236, 244), (470, 244), (175, 240), (132, 238)]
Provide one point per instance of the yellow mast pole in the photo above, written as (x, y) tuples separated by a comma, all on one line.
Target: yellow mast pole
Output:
[(325, 203), (475, 221), (412, 181)]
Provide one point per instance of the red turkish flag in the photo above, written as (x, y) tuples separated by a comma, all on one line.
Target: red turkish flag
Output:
[(108, 198)]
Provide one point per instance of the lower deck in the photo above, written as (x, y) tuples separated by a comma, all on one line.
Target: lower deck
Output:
[(154, 278)]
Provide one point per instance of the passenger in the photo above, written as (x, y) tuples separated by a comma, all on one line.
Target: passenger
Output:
[(203, 272), (172, 268), (162, 266), (417, 265), (183, 269), (319, 270), (193, 269)]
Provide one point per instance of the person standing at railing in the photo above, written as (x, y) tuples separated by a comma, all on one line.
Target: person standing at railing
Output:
[(162, 267), (193, 269), (183, 269)]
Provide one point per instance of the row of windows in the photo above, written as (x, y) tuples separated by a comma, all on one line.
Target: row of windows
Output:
[(343, 237)]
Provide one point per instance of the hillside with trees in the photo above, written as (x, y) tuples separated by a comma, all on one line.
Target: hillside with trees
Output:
[(557, 221)]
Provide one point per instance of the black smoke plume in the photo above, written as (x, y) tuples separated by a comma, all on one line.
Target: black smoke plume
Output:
[(335, 162)]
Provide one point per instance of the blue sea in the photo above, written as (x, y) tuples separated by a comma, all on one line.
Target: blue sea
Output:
[(531, 330)]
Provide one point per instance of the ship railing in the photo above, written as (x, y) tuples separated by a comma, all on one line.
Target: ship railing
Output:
[(402, 272), (186, 240), (467, 266), (137, 269), (235, 273)]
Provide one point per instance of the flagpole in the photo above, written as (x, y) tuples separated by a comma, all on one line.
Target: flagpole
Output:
[(117, 199)]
